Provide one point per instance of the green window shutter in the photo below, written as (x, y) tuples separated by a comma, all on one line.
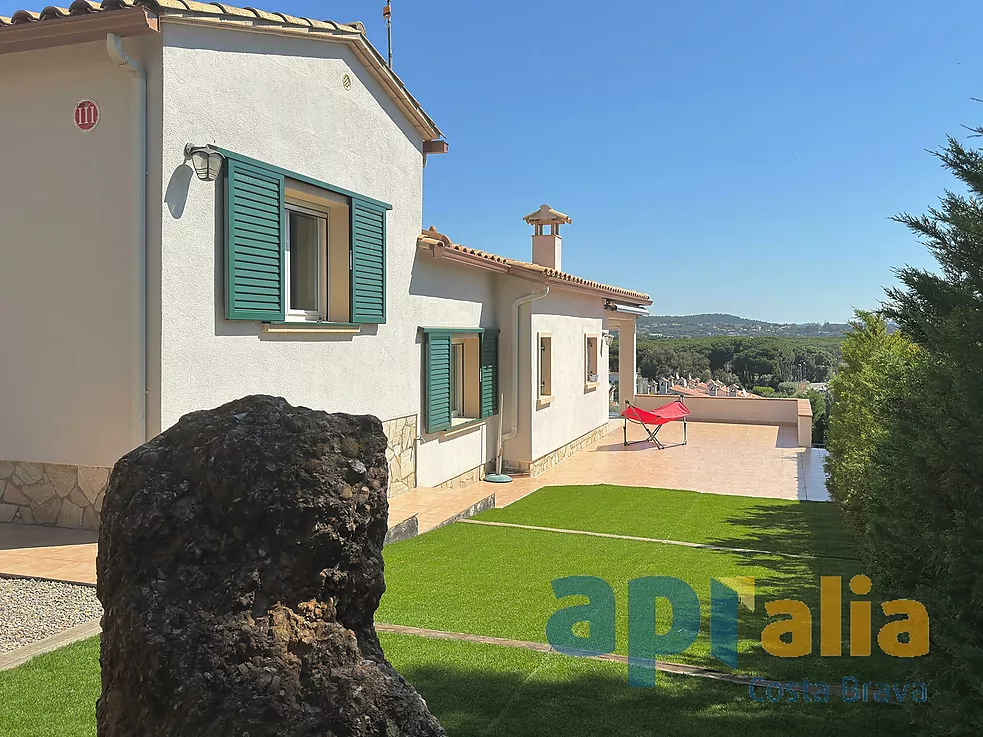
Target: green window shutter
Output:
[(437, 371), (489, 373), (255, 237), (368, 262)]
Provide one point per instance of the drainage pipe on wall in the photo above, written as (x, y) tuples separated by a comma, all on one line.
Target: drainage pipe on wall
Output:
[(515, 375), (114, 46)]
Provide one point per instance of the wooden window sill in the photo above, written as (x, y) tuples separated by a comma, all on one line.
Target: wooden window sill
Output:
[(590, 386), (462, 425), (300, 326), (545, 400)]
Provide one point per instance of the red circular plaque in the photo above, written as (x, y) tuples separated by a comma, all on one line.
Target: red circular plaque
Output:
[(86, 115)]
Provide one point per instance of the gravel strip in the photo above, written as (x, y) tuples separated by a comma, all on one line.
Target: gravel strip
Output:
[(31, 610)]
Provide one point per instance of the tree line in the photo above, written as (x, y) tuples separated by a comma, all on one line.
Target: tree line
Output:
[(747, 361)]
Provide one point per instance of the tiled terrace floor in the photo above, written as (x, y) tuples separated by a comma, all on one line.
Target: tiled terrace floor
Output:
[(749, 460), (48, 552), (436, 507)]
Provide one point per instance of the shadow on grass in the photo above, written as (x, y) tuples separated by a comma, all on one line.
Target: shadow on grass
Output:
[(806, 528), (573, 698), (812, 529)]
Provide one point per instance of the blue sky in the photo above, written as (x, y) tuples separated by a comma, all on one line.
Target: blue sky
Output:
[(724, 156)]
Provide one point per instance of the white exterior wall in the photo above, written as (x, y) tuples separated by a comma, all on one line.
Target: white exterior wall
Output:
[(281, 101), (519, 448), (68, 275), (449, 295), (568, 317), (68, 269)]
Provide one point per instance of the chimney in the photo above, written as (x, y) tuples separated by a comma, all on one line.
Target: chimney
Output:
[(546, 241)]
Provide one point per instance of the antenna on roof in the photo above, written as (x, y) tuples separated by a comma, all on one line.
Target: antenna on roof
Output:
[(387, 13)]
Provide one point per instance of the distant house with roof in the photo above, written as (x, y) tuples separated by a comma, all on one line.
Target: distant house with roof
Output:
[(204, 202)]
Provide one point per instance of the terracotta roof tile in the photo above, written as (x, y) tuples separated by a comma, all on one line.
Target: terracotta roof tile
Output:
[(262, 14), (82, 7), (53, 11), (209, 8), (434, 238), (24, 16), (234, 11)]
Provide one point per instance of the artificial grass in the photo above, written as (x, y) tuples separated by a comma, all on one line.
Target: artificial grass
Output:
[(812, 528), (480, 690), (52, 695), (496, 581)]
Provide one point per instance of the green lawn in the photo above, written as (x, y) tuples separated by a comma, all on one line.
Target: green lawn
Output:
[(778, 525), (496, 581), (478, 690), (53, 695), (484, 690)]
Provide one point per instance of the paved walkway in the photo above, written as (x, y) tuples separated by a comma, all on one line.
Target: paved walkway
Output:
[(48, 552), (437, 507), (749, 460)]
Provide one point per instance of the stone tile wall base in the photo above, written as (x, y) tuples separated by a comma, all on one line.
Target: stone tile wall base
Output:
[(52, 494), (401, 453), (403, 531), (548, 461), (467, 478), (532, 469)]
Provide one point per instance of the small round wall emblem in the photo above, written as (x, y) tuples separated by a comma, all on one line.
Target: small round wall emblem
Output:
[(86, 115), (346, 82)]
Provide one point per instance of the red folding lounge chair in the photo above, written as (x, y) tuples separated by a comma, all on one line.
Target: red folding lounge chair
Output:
[(663, 415)]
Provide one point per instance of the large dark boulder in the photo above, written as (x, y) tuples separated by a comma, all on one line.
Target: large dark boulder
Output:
[(240, 565)]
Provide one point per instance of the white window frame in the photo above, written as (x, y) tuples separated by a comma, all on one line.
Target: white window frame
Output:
[(594, 354), (320, 314)]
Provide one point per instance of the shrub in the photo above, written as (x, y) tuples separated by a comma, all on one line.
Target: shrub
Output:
[(906, 445), (788, 388), (862, 390)]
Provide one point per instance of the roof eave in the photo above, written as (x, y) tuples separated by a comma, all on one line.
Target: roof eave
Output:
[(378, 65), (440, 250), (77, 29)]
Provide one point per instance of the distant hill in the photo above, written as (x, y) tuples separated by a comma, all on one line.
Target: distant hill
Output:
[(708, 326)]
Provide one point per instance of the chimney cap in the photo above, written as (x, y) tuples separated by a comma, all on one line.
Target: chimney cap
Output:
[(546, 215)]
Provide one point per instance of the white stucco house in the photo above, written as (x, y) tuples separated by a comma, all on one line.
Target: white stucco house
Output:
[(292, 262)]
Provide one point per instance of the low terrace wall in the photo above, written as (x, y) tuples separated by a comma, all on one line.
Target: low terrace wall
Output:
[(741, 411)]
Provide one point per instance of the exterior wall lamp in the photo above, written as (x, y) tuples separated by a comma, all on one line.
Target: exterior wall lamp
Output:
[(206, 161)]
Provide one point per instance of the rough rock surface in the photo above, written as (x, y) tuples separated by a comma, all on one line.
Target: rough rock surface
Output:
[(240, 565)]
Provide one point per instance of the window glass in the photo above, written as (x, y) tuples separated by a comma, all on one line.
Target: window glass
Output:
[(304, 239)]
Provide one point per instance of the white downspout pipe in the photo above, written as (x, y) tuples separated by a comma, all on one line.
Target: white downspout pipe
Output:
[(515, 375), (114, 46)]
